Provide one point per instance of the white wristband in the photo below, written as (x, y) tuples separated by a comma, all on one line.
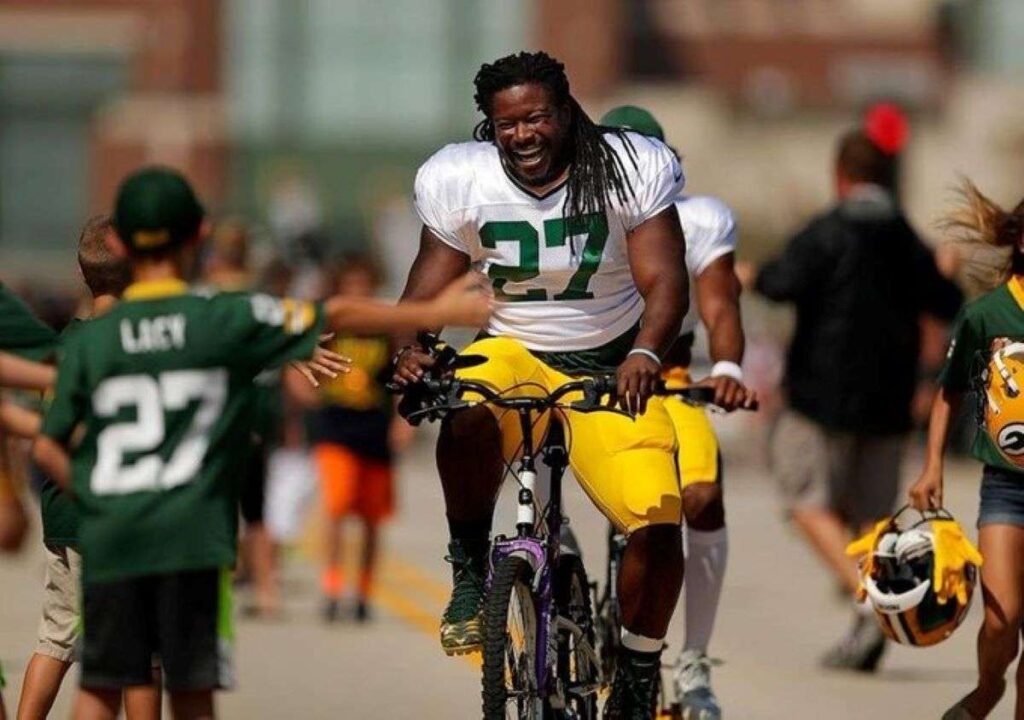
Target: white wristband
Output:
[(644, 351), (727, 368)]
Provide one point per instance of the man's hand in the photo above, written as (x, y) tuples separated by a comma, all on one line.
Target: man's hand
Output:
[(635, 381), (410, 364), (324, 362), (730, 393)]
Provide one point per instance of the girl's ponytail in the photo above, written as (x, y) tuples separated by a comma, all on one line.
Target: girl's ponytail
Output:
[(989, 235)]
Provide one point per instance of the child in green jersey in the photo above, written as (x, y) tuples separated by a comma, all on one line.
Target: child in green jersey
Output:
[(985, 355), (160, 384), (106, 276)]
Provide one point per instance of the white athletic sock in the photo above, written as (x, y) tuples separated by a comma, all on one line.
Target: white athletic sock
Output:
[(641, 643), (705, 570)]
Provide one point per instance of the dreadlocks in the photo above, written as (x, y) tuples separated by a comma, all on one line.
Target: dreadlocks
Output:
[(596, 169)]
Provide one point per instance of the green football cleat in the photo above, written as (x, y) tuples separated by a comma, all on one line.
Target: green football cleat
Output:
[(462, 622)]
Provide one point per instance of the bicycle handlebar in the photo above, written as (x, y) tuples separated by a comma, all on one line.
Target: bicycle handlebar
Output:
[(449, 391), (419, 399)]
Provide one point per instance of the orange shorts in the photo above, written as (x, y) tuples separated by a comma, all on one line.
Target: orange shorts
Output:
[(354, 485)]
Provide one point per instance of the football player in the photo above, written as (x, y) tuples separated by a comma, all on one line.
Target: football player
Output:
[(710, 230), (576, 227)]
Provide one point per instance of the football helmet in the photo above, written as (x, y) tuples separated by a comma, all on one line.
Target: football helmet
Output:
[(1003, 407), (918, 576)]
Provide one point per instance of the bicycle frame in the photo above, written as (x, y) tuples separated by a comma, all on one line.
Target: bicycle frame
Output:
[(539, 546)]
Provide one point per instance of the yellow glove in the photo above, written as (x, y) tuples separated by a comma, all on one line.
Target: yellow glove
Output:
[(864, 549), (953, 552)]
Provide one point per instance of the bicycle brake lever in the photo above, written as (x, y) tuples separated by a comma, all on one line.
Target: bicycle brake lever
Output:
[(591, 400), (436, 412), (594, 404)]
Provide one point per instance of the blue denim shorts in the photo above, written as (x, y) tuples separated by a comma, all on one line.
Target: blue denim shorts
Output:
[(1002, 497)]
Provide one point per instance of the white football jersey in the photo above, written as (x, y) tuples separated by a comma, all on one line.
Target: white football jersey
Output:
[(710, 230), (554, 289)]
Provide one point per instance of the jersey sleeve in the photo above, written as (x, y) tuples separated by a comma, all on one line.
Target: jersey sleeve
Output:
[(67, 405), (431, 202), (657, 182), (21, 332), (964, 346), (276, 330), (710, 229)]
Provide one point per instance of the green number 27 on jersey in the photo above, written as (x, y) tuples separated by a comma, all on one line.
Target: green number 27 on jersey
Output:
[(152, 398), (593, 225)]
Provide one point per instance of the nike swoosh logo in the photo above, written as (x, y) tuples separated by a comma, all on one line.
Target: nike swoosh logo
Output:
[(678, 174)]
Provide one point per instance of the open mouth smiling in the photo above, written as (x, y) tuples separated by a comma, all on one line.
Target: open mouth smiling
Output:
[(528, 159)]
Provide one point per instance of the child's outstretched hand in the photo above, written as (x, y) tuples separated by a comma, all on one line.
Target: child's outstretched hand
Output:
[(324, 362), (465, 302)]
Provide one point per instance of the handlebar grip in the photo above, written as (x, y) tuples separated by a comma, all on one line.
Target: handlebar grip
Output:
[(693, 393)]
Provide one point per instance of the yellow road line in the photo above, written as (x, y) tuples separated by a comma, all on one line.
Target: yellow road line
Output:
[(406, 574), (412, 613), (402, 588)]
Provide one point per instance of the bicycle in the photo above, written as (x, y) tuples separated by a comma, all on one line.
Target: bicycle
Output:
[(608, 624), (608, 618), (539, 656)]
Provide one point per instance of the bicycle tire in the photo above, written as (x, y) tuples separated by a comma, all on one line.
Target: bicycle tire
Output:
[(608, 620), (572, 598), (608, 630), (511, 593)]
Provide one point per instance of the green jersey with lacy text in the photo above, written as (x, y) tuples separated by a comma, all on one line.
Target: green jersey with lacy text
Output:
[(160, 385)]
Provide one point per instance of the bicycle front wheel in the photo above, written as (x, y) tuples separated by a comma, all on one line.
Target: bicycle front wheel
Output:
[(510, 645)]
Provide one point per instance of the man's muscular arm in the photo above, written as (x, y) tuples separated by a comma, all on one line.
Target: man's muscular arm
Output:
[(718, 299), (657, 259), (718, 302), (436, 265)]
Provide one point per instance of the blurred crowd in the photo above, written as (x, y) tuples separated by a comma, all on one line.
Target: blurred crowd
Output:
[(326, 449)]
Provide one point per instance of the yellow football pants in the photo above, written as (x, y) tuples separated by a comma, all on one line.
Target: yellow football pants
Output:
[(627, 467), (697, 455)]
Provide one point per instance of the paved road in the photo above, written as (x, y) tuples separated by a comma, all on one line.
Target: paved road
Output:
[(779, 612)]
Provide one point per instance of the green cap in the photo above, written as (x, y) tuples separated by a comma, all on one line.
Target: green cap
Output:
[(156, 208), (631, 117)]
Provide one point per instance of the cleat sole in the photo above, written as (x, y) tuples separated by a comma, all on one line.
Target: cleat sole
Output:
[(462, 650)]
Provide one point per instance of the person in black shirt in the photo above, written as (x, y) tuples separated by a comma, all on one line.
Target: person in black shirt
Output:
[(860, 279)]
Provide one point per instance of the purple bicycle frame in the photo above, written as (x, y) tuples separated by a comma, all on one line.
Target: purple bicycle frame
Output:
[(541, 552)]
